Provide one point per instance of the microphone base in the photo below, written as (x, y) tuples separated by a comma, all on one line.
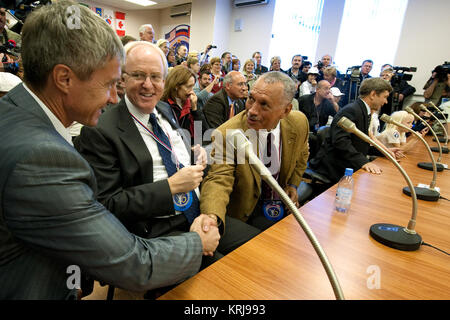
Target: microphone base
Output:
[(436, 149), (423, 193), (429, 166), (395, 236), (441, 139)]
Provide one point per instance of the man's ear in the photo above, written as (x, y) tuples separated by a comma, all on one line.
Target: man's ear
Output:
[(287, 110), (62, 77)]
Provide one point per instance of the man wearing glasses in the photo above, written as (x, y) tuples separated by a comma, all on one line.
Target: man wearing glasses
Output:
[(142, 161)]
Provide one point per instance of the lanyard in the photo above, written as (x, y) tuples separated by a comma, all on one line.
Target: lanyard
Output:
[(157, 140)]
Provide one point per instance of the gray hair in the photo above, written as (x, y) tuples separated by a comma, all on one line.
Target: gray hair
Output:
[(143, 28), (70, 34), (227, 79), (131, 45), (289, 87)]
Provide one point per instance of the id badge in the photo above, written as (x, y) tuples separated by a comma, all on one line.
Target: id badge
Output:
[(273, 209), (182, 201)]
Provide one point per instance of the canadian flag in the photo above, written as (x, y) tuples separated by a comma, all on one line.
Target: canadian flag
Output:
[(120, 23)]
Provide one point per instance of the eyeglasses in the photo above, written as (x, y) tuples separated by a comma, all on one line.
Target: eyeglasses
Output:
[(155, 78)]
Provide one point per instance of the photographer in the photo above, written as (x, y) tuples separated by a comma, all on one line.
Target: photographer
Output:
[(401, 90), (438, 86), (6, 34)]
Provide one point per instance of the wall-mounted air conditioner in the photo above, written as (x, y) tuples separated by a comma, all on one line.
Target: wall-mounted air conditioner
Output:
[(246, 3), (181, 10)]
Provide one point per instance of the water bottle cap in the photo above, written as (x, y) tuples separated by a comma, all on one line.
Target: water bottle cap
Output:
[(348, 171)]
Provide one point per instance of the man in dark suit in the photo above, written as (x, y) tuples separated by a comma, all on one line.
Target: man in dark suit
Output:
[(228, 102), (345, 150), (259, 68), (50, 221), (135, 181)]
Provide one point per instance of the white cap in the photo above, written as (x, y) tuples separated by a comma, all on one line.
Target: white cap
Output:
[(336, 92), (8, 81), (313, 70)]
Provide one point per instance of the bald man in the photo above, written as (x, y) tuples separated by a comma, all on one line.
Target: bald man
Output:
[(228, 102)]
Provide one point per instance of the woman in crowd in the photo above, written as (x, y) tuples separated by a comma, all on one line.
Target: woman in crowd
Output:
[(217, 73), (179, 94), (163, 44), (235, 64), (275, 64), (249, 73), (194, 66), (171, 58)]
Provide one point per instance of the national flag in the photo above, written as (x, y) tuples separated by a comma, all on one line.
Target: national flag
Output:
[(179, 36), (120, 23)]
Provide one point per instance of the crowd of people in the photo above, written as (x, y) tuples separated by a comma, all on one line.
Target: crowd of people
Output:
[(136, 197)]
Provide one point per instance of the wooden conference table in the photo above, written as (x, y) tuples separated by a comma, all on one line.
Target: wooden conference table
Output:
[(281, 264)]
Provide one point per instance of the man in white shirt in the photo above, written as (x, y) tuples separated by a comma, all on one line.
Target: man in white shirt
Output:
[(142, 160)]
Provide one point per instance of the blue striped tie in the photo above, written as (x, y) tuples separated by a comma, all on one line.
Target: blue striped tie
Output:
[(194, 210)]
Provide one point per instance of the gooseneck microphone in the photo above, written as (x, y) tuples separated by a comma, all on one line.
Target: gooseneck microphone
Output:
[(240, 142), (445, 138), (428, 165), (428, 194), (394, 236)]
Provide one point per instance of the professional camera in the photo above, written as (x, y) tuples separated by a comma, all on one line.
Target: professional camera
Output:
[(442, 71), (21, 10), (353, 72), (399, 74), (319, 64)]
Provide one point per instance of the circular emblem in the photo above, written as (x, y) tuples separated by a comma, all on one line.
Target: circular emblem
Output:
[(182, 201), (273, 210)]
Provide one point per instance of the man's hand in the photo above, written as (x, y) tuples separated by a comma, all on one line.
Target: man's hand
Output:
[(193, 98), (210, 239), (200, 155), (186, 179), (397, 153), (292, 194), (372, 168)]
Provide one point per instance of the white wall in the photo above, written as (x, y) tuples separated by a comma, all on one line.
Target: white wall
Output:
[(202, 24), (256, 32)]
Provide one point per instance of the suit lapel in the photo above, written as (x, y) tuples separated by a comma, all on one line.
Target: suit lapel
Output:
[(133, 140)]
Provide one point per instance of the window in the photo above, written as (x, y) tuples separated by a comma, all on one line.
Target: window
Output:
[(370, 29), (295, 30)]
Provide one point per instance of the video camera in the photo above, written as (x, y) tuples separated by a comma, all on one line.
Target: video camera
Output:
[(20, 9), (399, 74), (442, 71), (353, 73)]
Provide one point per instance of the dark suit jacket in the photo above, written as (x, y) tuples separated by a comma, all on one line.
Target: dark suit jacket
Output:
[(50, 219), (261, 69), (217, 109), (123, 167), (341, 149)]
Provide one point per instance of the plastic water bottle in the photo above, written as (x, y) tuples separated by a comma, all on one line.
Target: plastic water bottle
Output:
[(344, 192)]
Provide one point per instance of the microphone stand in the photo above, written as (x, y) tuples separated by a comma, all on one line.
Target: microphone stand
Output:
[(427, 165), (267, 176), (445, 139), (394, 236), (427, 194), (441, 139)]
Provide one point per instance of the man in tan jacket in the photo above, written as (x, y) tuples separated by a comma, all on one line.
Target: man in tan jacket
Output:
[(237, 190)]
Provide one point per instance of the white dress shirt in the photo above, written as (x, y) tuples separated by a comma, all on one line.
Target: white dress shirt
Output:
[(178, 146)]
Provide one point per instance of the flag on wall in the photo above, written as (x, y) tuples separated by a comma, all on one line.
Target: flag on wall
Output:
[(179, 36), (98, 11), (120, 23), (108, 15)]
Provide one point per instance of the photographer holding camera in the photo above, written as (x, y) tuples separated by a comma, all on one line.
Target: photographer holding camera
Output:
[(401, 89), (438, 86)]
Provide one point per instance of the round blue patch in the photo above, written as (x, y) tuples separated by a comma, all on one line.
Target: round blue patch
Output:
[(182, 201), (273, 210)]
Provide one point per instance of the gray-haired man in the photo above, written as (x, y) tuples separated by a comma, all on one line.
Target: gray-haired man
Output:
[(228, 102), (50, 221)]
